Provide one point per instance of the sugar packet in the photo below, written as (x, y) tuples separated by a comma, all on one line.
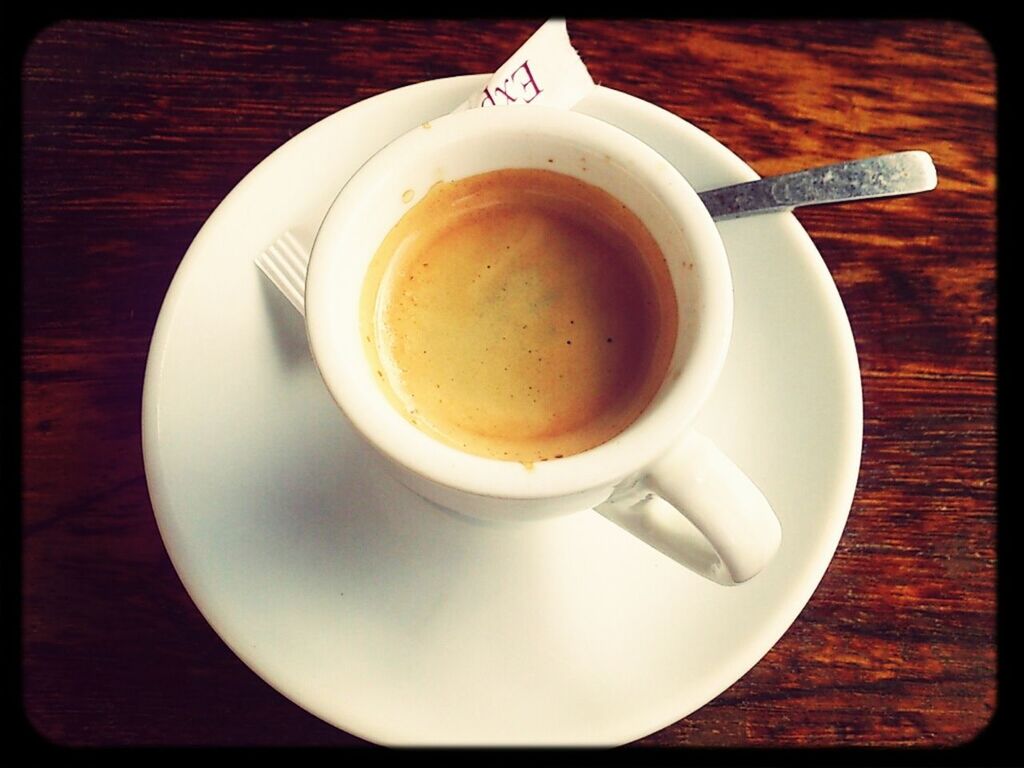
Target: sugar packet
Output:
[(545, 70)]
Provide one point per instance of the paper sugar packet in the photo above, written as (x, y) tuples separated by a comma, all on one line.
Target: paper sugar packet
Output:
[(545, 70)]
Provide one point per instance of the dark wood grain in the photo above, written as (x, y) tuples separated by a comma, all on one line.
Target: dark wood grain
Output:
[(134, 131)]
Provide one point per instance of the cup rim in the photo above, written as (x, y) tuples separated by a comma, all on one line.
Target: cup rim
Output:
[(360, 398)]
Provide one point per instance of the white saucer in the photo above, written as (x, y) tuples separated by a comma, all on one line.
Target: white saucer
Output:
[(403, 624)]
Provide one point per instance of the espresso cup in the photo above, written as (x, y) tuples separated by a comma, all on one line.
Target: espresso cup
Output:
[(652, 474)]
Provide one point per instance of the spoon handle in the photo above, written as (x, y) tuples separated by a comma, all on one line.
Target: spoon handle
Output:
[(900, 173)]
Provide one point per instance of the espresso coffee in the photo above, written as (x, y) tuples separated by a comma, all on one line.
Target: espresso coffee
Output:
[(521, 315)]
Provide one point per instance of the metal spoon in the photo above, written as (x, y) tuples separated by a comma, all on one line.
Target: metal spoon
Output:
[(284, 261), (900, 173)]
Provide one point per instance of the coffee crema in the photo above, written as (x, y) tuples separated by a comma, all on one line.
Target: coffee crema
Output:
[(520, 315)]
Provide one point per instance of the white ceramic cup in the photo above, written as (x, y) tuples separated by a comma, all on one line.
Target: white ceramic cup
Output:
[(716, 521)]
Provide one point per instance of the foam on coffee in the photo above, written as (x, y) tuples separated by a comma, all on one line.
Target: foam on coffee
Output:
[(521, 315)]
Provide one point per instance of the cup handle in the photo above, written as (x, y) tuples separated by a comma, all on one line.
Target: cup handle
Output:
[(697, 507)]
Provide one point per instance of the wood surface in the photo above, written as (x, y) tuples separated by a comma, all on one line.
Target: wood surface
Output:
[(133, 132)]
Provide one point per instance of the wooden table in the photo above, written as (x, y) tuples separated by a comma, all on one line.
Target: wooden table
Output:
[(134, 131)]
